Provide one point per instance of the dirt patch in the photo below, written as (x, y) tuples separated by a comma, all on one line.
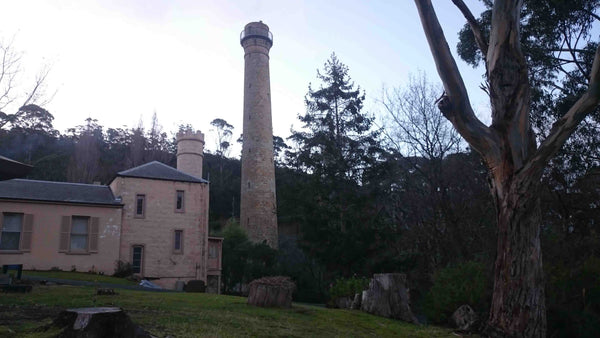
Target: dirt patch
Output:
[(18, 314)]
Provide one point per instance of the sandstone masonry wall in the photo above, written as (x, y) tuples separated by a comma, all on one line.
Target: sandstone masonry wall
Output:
[(155, 231)]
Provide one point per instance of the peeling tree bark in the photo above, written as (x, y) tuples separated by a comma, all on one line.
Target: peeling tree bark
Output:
[(509, 150)]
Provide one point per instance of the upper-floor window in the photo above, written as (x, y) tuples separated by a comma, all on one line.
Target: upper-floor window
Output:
[(10, 237), (140, 205), (213, 251), (178, 241), (179, 201)]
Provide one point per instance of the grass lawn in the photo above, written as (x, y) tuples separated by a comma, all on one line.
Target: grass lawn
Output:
[(199, 314), (88, 277)]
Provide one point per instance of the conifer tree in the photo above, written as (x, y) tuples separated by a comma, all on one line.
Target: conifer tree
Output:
[(335, 147)]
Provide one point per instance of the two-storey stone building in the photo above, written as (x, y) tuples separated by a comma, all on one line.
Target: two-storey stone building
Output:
[(152, 216)]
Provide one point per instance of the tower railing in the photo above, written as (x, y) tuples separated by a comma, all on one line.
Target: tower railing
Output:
[(256, 32)]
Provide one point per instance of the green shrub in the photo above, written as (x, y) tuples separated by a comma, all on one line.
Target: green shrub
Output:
[(347, 287), (122, 269), (466, 283)]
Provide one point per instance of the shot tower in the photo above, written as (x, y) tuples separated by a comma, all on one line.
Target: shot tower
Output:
[(258, 210)]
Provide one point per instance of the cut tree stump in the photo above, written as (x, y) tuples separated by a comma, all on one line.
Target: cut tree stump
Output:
[(96, 322), (271, 292)]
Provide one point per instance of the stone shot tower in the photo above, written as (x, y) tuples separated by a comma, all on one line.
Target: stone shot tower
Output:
[(190, 152), (258, 210)]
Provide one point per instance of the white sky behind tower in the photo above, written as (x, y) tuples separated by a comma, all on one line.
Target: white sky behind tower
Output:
[(119, 61)]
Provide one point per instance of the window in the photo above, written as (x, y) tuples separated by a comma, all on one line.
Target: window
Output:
[(10, 238), (179, 201), (79, 233), (213, 251), (178, 242), (15, 231), (137, 258), (140, 200)]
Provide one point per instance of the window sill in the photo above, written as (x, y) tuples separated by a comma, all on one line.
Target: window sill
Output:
[(179, 211), (177, 252), (139, 216), (77, 253), (11, 252)]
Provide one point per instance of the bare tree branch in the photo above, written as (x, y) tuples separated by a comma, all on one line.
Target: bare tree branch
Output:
[(456, 106), (577, 63), (475, 28), (37, 90)]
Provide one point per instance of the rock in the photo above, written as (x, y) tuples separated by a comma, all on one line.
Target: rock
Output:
[(97, 322), (271, 292), (465, 318), (356, 302), (388, 296)]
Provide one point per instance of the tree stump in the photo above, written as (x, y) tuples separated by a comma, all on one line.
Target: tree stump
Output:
[(96, 322), (388, 296), (271, 292)]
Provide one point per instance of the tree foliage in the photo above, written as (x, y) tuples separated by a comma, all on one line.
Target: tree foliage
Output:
[(335, 148), (337, 140)]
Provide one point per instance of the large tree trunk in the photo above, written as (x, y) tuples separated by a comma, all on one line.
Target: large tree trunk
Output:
[(518, 304), (509, 149)]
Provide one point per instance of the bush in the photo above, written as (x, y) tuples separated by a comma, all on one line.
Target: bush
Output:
[(244, 261), (347, 287), (466, 283), (122, 269), (573, 298)]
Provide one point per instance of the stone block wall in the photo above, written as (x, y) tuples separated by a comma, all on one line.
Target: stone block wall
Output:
[(155, 231)]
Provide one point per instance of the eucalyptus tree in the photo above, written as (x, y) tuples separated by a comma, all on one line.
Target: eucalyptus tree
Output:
[(509, 149)]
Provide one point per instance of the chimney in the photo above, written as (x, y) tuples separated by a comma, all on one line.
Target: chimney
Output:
[(190, 152)]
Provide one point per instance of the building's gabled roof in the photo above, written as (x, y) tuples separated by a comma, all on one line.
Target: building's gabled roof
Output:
[(60, 192), (160, 171)]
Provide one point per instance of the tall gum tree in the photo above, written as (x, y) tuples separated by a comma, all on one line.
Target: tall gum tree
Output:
[(514, 160)]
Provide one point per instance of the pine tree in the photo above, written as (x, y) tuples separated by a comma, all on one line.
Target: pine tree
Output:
[(337, 138), (335, 147)]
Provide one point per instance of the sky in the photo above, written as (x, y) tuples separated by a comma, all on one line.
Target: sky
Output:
[(121, 61)]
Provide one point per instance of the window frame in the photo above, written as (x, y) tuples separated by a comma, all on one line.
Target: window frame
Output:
[(87, 234), (181, 240), (182, 209), (213, 247), (92, 235), (142, 254), (136, 208), (21, 231)]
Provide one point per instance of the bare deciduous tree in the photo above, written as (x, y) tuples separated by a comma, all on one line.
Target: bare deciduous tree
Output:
[(509, 149), (413, 124), (10, 84)]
